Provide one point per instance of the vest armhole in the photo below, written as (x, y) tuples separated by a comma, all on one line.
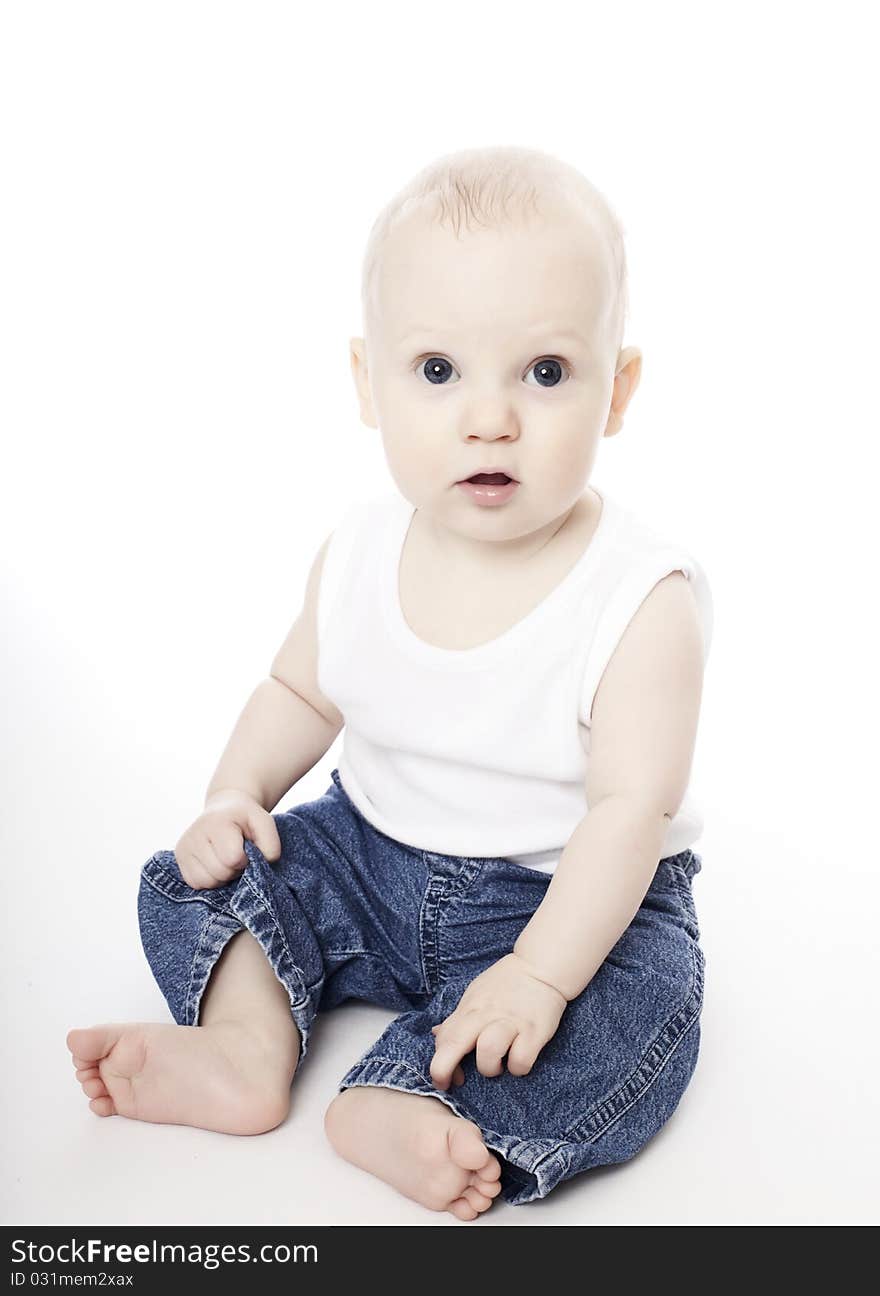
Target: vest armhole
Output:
[(339, 550), (625, 600)]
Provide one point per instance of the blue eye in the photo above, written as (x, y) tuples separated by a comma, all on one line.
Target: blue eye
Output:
[(437, 369), (548, 372)]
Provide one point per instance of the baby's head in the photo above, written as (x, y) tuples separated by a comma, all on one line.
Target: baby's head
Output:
[(494, 298)]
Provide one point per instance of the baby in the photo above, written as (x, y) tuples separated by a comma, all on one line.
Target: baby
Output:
[(503, 856)]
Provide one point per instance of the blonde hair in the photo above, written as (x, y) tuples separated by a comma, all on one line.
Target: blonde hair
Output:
[(493, 186)]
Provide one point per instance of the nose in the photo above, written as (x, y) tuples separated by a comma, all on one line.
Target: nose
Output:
[(491, 422)]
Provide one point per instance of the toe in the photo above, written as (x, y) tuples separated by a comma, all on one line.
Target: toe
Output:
[(477, 1200), (462, 1209), (488, 1187), (103, 1106), (491, 1170), (94, 1088), (92, 1042), (87, 1073), (79, 1043), (466, 1146)]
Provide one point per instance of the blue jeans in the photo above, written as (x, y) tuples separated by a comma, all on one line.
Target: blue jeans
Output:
[(349, 913)]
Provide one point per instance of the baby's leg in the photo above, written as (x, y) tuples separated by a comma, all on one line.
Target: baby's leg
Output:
[(230, 1073)]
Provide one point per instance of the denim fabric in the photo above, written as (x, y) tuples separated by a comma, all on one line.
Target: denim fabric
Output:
[(347, 912)]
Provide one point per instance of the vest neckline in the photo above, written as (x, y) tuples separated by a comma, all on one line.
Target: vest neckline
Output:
[(397, 530)]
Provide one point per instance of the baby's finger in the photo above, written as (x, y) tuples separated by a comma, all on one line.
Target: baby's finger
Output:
[(450, 1047), (495, 1039), (523, 1053), (223, 855), (194, 873), (458, 1075)]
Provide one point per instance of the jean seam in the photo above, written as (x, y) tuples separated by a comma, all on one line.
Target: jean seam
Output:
[(254, 908), (470, 872), (440, 888), (429, 922), (685, 894), (338, 953), (200, 959), (618, 1103), (681, 875), (267, 906)]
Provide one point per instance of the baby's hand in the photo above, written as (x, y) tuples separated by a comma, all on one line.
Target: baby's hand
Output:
[(211, 851), (505, 1007)]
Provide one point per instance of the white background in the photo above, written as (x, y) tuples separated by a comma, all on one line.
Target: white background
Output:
[(187, 191)]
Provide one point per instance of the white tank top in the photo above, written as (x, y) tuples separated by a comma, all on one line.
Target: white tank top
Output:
[(482, 751)]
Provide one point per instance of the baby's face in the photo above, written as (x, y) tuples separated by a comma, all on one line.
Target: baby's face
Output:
[(493, 350)]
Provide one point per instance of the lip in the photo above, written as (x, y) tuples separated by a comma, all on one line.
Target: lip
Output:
[(492, 468), (484, 493)]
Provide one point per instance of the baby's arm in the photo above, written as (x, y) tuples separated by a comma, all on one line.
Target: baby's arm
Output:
[(643, 734), (287, 724), (644, 725)]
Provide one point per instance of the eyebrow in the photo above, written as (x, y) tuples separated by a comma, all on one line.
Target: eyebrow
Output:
[(555, 333)]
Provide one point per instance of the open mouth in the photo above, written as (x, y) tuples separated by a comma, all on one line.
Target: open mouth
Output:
[(490, 479)]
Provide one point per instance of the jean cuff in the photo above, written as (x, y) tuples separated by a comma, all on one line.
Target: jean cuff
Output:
[(243, 904)]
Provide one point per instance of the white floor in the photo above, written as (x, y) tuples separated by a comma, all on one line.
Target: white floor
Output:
[(778, 1126)]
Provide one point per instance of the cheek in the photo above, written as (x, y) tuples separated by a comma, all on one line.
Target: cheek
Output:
[(567, 452), (419, 451)]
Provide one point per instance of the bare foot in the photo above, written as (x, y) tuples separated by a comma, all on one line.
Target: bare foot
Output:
[(226, 1076), (418, 1145)]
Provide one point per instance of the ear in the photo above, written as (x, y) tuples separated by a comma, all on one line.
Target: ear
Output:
[(627, 373), (360, 373)]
